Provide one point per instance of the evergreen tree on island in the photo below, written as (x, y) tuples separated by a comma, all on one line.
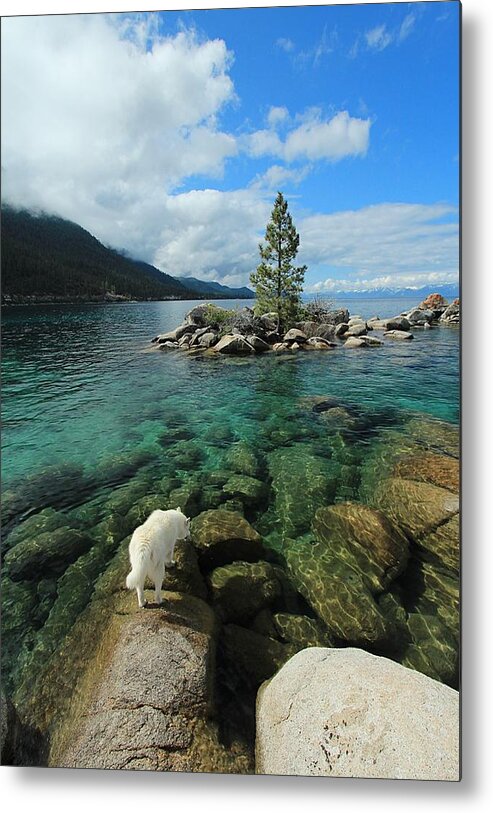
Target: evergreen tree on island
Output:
[(278, 283)]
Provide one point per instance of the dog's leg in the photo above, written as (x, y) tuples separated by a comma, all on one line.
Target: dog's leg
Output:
[(158, 581), (140, 596)]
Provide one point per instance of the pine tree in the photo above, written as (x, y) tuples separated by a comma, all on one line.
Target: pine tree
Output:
[(278, 283)]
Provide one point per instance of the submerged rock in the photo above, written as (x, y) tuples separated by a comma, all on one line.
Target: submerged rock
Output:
[(365, 539), (301, 482), (339, 595), (417, 508), (222, 536), (242, 460), (300, 631), (438, 470), (247, 489), (50, 552), (240, 590), (332, 712), (252, 657), (435, 435)]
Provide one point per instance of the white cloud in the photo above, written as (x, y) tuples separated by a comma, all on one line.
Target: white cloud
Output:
[(277, 177), (406, 27), (277, 115), (378, 38), (215, 235), (97, 120), (393, 243), (285, 44), (314, 139)]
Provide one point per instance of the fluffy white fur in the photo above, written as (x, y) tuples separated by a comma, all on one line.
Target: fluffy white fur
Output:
[(151, 549)]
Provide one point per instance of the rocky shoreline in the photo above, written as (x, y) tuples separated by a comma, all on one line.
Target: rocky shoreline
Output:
[(210, 329)]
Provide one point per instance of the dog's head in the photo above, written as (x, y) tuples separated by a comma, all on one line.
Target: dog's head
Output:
[(187, 524)]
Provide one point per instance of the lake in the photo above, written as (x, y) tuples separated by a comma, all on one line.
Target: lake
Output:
[(99, 425)]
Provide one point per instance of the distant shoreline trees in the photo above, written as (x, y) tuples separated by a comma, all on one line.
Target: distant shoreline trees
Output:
[(277, 281)]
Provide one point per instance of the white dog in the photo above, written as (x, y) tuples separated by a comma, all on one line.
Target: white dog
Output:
[(151, 549)]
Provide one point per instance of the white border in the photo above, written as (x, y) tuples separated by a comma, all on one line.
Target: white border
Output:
[(62, 790)]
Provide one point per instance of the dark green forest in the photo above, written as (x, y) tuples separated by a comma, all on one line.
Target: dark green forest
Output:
[(46, 258)]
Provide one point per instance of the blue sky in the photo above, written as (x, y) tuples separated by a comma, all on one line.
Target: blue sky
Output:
[(169, 135)]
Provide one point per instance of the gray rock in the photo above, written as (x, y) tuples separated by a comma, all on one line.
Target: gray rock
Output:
[(319, 343), (346, 713), (295, 335), (341, 329), (451, 314), (269, 321), (257, 343), (399, 335), (153, 702), (337, 316), (354, 341), (357, 329), (207, 339), (235, 345)]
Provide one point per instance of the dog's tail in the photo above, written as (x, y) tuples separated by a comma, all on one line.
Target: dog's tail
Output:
[(139, 568)]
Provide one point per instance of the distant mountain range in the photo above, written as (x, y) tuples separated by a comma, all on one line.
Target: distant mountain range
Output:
[(215, 288), (48, 259)]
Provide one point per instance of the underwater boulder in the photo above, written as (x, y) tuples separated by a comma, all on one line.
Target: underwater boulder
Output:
[(339, 595), (301, 483), (248, 490), (50, 552), (221, 536), (250, 656), (365, 539), (417, 508), (241, 589), (185, 576), (428, 467), (300, 630), (435, 435)]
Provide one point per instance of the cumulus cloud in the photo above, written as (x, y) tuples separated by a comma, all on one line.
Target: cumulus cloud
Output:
[(393, 244), (101, 114), (215, 235), (314, 139), (280, 177), (277, 115)]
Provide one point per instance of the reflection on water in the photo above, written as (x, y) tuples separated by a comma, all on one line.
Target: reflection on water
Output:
[(98, 433)]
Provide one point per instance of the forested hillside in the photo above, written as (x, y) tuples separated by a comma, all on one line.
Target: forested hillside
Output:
[(47, 258)]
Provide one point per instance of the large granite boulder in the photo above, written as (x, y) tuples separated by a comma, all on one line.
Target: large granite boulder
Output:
[(294, 335), (234, 344), (365, 539), (333, 712), (451, 315), (221, 537), (337, 316), (151, 705), (433, 301), (417, 508), (435, 435)]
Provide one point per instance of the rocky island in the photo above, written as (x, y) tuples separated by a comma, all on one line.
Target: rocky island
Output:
[(211, 329)]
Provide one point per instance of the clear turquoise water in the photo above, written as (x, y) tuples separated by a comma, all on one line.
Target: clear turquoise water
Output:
[(78, 383), (89, 407)]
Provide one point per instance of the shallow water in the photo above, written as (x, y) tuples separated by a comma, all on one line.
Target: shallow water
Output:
[(94, 419)]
